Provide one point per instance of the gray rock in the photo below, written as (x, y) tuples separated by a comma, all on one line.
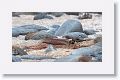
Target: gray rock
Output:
[(55, 26), (42, 16), (42, 35), (85, 51), (33, 26), (85, 15), (16, 59), (25, 29), (48, 17), (50, 48), (53, 29), (18, 51), (57, 14), (75, 36), (15, 14), (35, 57), (72, 13), (15, 32), (89, 31), (21, 31), (26, 13), (69, 26)]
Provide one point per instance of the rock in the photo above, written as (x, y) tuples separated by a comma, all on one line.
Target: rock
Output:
[(33, 26), (29, 35), (53, 29), (89, 31), (57, 14), (25, 29), (16, 59), (99, 58), (26, 13), (69, 26), (21, 31), (98, 39), (76, 36), (48, 17), (82, 54), (72, 13), (36, 57), (42, 16), (50, 48), (15, 14), (18, 51), (42, 35), (15, 32), (55, 26), (85, 16), (84, 59)]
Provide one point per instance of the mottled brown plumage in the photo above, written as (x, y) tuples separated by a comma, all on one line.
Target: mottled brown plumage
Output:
[(62, 43)]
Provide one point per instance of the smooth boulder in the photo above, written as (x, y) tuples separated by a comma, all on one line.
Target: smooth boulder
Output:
[(69, 26)]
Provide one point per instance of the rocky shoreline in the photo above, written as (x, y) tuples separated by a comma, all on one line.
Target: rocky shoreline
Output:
[(57, 37)]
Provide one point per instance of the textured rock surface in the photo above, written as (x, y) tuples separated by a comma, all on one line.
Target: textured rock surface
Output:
[(42, 16), (34, 57), (50, 48), (18, 51), (53, 29), (76, 36), (25, 29), (15, 14), (85, 16), (86, 52), (72, 13), (20, 31), (69, 26), (89, 31), (33, 26), (61, 48), (42, 35), (29, 35), (16, 59), (57, 14)]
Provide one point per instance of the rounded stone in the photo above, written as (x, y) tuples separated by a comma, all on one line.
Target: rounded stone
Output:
[(69, 26)]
